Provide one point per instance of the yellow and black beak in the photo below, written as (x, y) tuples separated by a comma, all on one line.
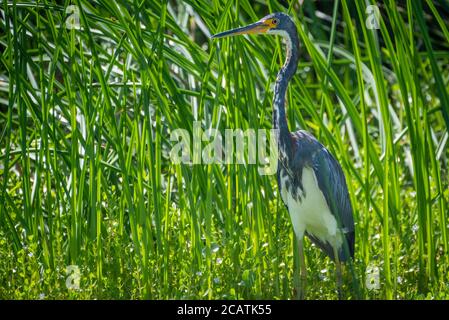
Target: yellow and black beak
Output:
[(254, 28)]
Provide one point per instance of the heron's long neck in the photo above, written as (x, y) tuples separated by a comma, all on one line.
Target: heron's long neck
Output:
[(280, 90)]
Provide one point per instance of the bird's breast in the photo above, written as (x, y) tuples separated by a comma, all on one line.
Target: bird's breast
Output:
[(307, 206)]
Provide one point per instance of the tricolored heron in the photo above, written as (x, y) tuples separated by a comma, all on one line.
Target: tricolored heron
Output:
[(311, 182)]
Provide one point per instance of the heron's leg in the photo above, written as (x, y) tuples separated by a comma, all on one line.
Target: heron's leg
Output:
[(338, 268), (303, 270)]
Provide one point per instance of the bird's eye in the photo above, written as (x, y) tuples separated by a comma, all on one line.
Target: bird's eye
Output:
[(274, 21)]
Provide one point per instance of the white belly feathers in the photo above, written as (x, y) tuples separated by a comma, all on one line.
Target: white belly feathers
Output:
[(312, 213)]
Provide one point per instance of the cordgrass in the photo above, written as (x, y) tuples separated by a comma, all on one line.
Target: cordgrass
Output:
[(86, 178)]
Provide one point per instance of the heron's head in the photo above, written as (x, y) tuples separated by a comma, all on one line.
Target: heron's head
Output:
[(275, 23)]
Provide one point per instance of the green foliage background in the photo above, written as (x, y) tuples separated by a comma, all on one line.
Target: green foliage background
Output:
[(86, 178)]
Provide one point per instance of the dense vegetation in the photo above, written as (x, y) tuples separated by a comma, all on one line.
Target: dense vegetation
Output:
[(90, 95)]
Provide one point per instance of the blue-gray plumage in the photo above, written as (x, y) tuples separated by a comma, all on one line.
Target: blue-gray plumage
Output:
[(311, 182), (309, 152)]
